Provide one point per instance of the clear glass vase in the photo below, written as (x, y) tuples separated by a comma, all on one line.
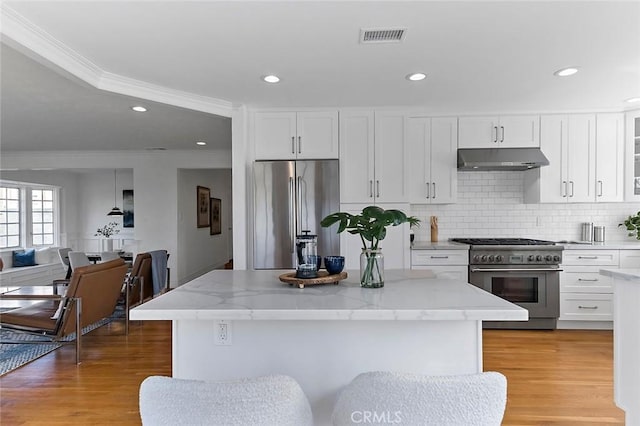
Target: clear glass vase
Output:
[(371, 268)]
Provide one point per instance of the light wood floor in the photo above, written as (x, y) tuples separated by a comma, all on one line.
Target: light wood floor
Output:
[(554, 378)]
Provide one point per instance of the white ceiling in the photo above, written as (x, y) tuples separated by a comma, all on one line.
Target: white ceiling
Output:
[(42, 110), (479, 56)]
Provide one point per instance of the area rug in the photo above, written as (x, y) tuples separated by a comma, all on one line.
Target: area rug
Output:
[(14, 355)]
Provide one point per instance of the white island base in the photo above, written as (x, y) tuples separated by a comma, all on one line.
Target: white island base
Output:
[(626, 341), (324, 336)]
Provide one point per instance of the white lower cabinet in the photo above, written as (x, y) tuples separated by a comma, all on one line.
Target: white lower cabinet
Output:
[(585, 295), (447, 264), (586, 307)]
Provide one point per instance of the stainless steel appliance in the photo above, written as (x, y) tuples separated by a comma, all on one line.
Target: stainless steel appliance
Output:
[(523, 271), (291, 197)]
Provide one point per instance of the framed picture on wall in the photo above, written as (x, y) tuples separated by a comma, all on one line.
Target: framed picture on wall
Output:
[(204, 217), (216, 226), (127, 208)]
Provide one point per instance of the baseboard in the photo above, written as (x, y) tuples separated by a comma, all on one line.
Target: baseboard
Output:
[(585, 325)]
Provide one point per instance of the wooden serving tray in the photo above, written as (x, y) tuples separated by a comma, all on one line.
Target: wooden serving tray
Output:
[(323, 278)]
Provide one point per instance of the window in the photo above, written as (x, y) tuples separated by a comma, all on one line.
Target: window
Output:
[(42, 216), (28, 215), (9, 217)]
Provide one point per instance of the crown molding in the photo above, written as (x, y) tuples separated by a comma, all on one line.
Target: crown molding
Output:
[(16, 29)]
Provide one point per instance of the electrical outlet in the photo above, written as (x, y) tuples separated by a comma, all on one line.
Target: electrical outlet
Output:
[(223, 333)]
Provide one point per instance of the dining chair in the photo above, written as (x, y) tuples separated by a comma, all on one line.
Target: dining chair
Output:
[(106, 256), (63, 254), (77, 259), (465, 400)]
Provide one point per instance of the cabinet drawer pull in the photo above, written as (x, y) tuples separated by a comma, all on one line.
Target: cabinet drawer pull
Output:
[(293, 144), (587, 307), (588, 279), (587, 257), (571, 182), (439, 257), (434, 190), (564, 188), (495, 128), (299, 144), (502, 138), (370, 189), (377, 189), (428, 190)]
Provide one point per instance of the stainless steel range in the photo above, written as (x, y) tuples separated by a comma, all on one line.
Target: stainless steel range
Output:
[(523, 271)]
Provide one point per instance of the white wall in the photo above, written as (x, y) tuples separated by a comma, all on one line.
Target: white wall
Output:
[(199, 251), (490, 205), (155, 184), (95, 200)]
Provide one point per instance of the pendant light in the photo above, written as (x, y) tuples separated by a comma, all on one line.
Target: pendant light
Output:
[(115, 211)]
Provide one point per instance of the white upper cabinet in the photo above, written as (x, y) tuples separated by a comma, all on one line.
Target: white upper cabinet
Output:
[(356, 157), (609, 157), (509, 131), (585, 152), (390, 170), (632, 156), (580, 186), (296, 135), (372, 157), (432, 160)]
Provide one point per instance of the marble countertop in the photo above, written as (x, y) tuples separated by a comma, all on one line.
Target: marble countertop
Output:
[(612, 245), (440, 245), (259, 295), (570, 245), (628, 274)]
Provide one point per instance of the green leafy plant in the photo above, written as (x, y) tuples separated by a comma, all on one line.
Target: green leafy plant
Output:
[(632, 224), (107, 230), (371, 225)]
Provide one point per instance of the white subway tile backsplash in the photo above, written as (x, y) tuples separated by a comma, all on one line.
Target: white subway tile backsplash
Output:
[(490, 205)]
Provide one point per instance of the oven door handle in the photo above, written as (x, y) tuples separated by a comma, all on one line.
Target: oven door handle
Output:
[(514, 270)]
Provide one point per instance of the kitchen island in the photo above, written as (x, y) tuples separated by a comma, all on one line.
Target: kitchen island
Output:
[(230, 324), (626, 341)]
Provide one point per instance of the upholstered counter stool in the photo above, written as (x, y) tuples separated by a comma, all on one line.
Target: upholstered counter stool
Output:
[(409, 399), (266, 400)]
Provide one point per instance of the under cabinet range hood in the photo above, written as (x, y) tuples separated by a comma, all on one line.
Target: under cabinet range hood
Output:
[(481, 159)]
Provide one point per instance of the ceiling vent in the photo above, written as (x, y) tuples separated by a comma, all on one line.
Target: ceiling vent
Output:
[(382, 35)]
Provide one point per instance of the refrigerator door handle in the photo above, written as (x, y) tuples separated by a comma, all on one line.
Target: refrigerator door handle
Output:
[(299, 204), (292, 216)]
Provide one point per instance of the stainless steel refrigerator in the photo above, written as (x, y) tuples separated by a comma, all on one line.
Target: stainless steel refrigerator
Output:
[(291, 197)]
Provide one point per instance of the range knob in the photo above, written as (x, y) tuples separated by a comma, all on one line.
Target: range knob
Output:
[(530, 258), (556, 258), (492, 258), (476, 258), (499, 258), (539, 258), (483, 258), (548, 258)]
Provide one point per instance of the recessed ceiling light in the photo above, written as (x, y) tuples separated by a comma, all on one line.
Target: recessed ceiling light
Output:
[(271, 78), (566, 72), (417, 76), (139, 108), (201, 143), (632, 100)]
